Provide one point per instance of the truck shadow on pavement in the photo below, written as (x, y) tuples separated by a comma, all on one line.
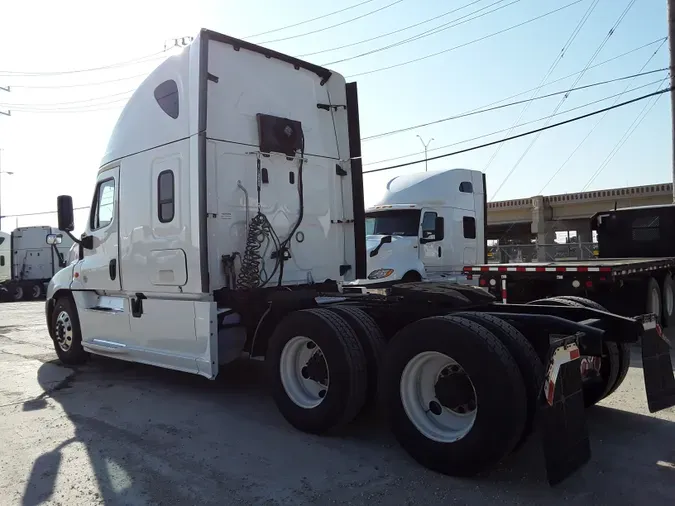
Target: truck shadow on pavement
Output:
[(154, 436)]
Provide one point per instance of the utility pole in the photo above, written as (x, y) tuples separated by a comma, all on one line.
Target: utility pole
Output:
[(1, 173), (426, 162), (671, 47)]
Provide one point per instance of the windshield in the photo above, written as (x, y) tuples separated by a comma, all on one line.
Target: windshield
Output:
[(398, 222)]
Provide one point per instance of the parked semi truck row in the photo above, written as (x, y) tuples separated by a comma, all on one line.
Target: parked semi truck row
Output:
[(227, 216), (28, 261)]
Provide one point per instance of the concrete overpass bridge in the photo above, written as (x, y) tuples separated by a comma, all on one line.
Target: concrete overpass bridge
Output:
[(540, 217)]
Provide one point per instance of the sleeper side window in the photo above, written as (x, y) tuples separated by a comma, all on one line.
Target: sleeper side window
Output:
[(165, 196), (2, 260), (429, 225), (469, 225), (103, 210), (166, 95), (466, 187)]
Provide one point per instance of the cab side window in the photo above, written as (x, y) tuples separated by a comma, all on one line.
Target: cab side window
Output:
[(2, 260), (103, 210), (165, 196), (429, 225)]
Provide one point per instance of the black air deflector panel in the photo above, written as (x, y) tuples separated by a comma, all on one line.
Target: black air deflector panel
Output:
[(279, 135)]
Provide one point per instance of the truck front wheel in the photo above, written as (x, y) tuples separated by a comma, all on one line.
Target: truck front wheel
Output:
[(66, 333), (317, 370), (452, 394)]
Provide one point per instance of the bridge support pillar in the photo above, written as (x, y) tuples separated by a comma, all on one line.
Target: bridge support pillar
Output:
[(542, 226)]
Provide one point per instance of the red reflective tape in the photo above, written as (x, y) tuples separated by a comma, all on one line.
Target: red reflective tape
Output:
[(561, 269), (605, 269), (520, 269), (484, 268), (501, 269), (574, 354), (582, 269), (551, 391), (540, 269), (466, 269)]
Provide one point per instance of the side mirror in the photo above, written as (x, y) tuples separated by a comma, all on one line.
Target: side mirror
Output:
[(64, 206), (386, 239), (53, 239), (440, 228)]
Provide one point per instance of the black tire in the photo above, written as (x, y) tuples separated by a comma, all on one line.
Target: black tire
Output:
[(500, 394), (531, 367), (36, 291), (653, 290), (411, 277), (346, 365), (667, 299), (373, 344), (612, 365), (18, 293), (64, 327)]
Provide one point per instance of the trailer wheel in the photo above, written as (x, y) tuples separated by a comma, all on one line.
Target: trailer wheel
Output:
[(667, 301), (66, 331), (17, 293), (531, 367), (36, 291), (654, 303), (317, 370), (600, 375), (452, 394), (373, 344)]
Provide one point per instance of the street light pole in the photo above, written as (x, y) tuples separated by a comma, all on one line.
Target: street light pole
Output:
[(426, 162), (671, 47)]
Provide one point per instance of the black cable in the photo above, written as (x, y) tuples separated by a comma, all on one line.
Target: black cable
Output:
[(513, 27), (309, 20), (77, 85), (433, 31), (363, 41), (510, 104), (524, 134), (333, 26)]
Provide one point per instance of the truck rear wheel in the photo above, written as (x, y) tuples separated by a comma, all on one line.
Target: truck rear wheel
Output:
[(317, 370), (452, 394), (600, 375), (36, 291), (373, 344), (531, 367), (17, 293), (66, 333), (654, 302)]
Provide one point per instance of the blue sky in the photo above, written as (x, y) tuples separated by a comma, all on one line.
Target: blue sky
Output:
[(60, 122)]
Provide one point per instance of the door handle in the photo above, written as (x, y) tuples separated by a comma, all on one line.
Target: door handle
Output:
[(439, 252), (112, 268)]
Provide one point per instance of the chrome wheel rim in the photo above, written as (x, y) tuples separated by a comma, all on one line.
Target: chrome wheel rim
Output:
[(438, 397), (64, 331), (304, 372)]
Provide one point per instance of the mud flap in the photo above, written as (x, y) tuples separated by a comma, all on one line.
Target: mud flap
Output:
[(657, 366), (563, 427)]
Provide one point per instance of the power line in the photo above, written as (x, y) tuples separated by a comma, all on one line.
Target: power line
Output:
[(433, 31), (558, 59), (38, 213), (363, 41), (309, 20), (49, 104), (562, 101), (79, 85), (555, 174), (629, 131), (513, 27), (524, 134), (510, 104), (135, 61), (483, 136), (333, 26)]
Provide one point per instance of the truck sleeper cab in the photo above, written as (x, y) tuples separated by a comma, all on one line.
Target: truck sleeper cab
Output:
[(426, 226), (227, 214)]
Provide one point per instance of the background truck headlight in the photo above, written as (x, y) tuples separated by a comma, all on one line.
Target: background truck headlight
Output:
[(380, 273)]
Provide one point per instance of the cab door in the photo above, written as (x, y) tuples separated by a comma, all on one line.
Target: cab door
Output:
[(431, 241), (99, 269)]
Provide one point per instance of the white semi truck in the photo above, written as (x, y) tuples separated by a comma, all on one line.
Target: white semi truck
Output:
[(227, 214), (426, 226), (28, 261)]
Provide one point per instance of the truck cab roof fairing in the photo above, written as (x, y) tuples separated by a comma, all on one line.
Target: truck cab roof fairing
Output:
[(162, 110)]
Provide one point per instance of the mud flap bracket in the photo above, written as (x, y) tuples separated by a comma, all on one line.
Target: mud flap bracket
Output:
[(657, 366), (565, 438)]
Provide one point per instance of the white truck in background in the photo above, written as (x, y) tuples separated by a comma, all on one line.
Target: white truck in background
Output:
[(427, 226), (227, 214), (28, 261)]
